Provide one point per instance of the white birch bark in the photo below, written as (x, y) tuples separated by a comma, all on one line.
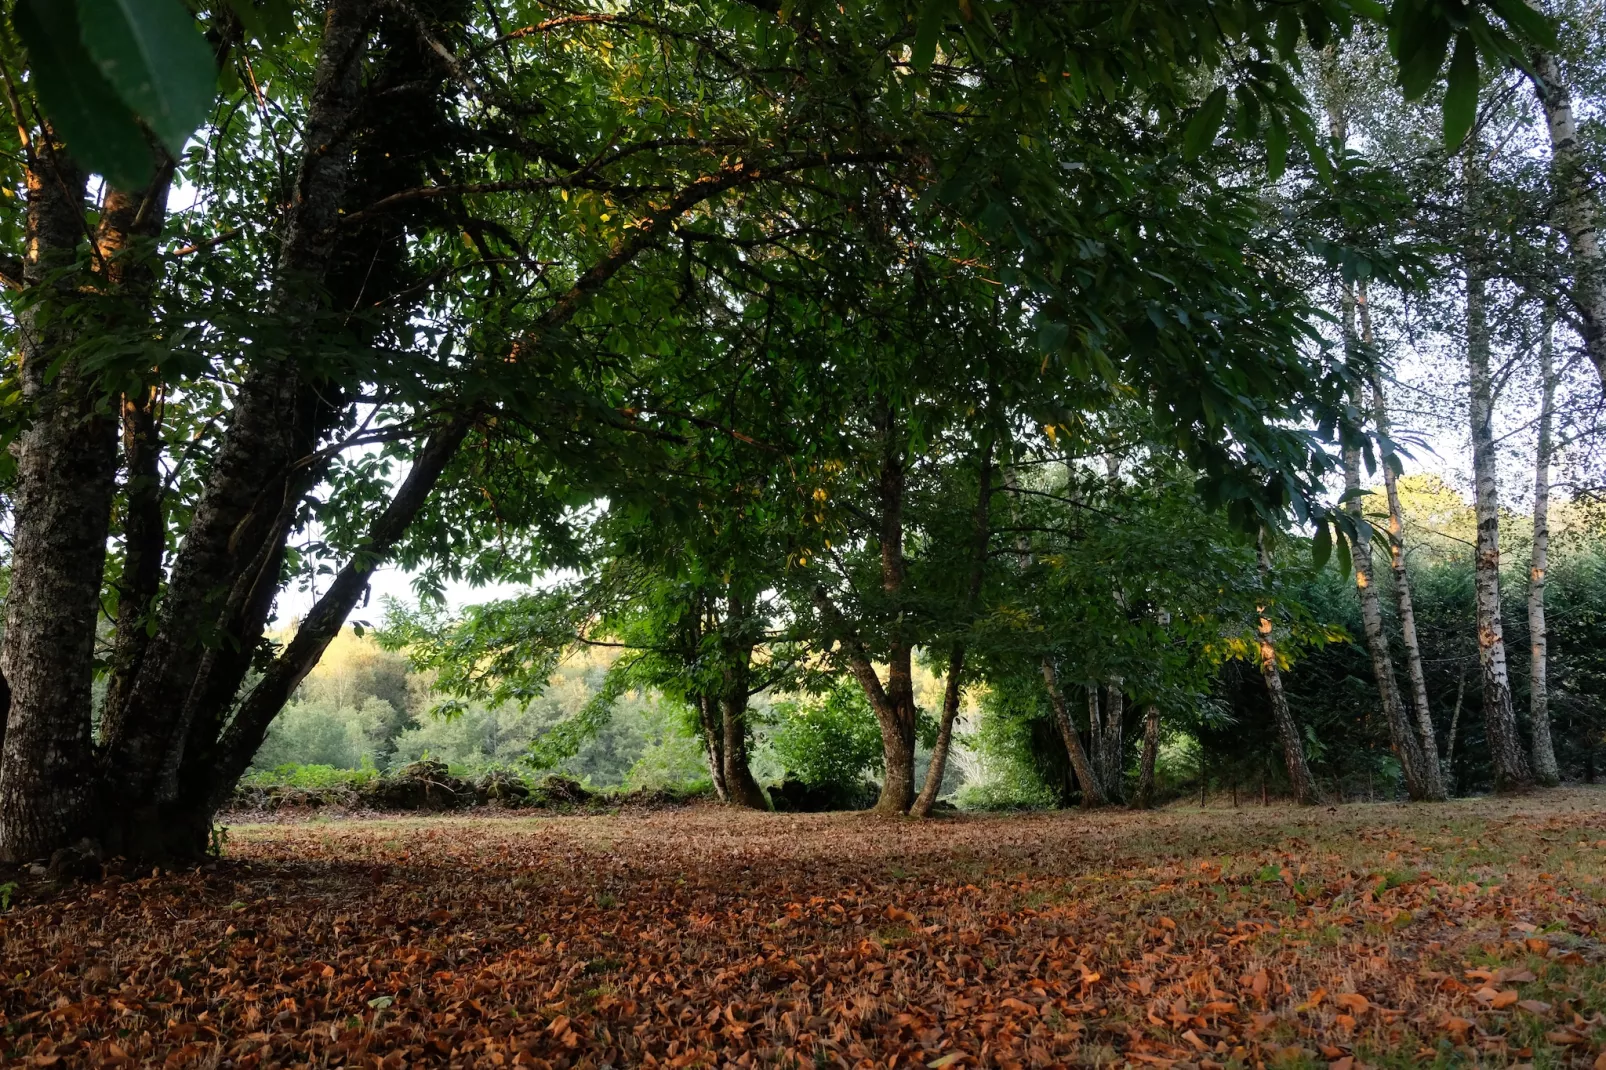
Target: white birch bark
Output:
[(1511, 769), (1421, 781), (1576, 214), (1544, 752), (1432, 772)]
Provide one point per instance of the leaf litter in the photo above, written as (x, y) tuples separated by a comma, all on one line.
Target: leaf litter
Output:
[(1459, 935)]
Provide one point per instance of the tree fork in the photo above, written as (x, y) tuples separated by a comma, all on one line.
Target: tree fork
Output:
[(1086, 779)]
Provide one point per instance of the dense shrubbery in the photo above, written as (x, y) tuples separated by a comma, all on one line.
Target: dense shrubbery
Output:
[(830, 742)]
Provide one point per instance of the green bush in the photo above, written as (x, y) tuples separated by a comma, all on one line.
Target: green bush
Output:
[(311, 777), (828, 742)]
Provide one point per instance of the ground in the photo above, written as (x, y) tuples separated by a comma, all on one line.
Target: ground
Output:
[(1457, 934)]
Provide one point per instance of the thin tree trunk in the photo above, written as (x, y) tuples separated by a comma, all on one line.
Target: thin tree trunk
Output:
[(1511, 768), (1421, 778), (1455, 722), (896, 713), (1092, 791), (129, 226), (1151, 751), (951, 693), (1095, 736), (238, 743), (1545, 768), (953, 688), (1112, 743), (1306, 792), (1403, 601), (1575, 213)]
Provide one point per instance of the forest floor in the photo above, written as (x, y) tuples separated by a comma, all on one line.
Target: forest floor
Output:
[(1463, 934)]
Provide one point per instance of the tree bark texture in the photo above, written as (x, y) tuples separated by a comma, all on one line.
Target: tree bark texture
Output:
[(953, 688), (66, 466), (240, 517), (710, 718), (1546, 770), (1511, 769), (896, 710), (1306, 792), (1112, 745), (1151, 751), (1575, 210)]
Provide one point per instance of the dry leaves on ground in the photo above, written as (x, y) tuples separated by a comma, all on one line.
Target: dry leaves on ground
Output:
[(1464, 934)]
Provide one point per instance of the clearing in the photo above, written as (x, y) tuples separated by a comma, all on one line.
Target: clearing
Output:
[(1459, 934)]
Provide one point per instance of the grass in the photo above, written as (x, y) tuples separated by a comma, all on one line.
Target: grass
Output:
[(1461, 935)]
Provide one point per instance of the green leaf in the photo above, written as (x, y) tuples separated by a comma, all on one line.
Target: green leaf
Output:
[(84, 111), (1287, 34), (928, 27), (1321, 547), (1344, 562), (152, 53), (1201, 129), (1461, 98), (1276, 147), (1422, 49), (1052, 336), (1528, 22)]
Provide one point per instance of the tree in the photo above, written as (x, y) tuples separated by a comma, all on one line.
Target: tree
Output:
[(1577, 215), (1306, 791), (1545, 769), (1511, 764), (327, 330)]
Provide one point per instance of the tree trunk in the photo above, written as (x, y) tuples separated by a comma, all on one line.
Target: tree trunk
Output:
[(896, 709), (1151, 751), (1403, 601), (215, 772), (740, 787), (981, 529), (229, 548), (1086, 779), (1113, 745), (1421, 778), (1095, 737), (951, 693), (1306, 792), (1545, 768), (736, 649), (66, 466), (1505, 745), (1575, 209), (708, 715), (1455, 722)]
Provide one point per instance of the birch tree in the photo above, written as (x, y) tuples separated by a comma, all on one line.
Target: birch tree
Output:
[(1512, 771), (1544, 753)]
